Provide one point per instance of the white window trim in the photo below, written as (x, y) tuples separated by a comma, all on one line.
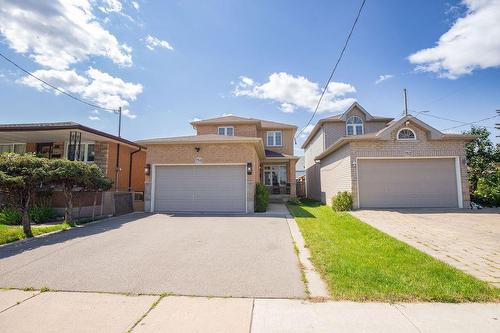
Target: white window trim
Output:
[(225, 130), (85, 146), (406, 128), (274, 138), (353, 125)]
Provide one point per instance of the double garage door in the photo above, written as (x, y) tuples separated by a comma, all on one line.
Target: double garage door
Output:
[(199, 188), (407, 183)]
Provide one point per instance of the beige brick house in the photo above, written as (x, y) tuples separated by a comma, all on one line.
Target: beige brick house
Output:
[(385, 163), (217, 169)]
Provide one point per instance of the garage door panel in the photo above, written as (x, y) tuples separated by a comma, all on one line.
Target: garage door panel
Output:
[(406, 183), (200, 188)]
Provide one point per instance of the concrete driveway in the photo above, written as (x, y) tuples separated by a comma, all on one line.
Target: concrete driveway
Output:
[(468, 240), (240, 256)]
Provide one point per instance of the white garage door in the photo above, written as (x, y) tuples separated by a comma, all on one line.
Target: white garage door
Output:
[(406, 183), (200, 188)]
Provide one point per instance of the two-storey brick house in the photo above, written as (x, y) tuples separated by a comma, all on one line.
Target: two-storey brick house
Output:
[(385, 163), (217, 169)]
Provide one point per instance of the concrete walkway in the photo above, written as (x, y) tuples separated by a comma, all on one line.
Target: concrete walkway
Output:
[(31, 311)]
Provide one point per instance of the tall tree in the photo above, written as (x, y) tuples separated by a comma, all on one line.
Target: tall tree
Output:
[(69, 176), (482, 156), (21, 175)]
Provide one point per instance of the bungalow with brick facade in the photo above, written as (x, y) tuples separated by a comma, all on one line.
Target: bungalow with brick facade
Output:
[(120, 159), (386, 163)]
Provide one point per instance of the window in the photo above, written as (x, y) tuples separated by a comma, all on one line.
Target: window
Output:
[(354, 126), (18, 148), (87, 152), (274, 139), (228, 131), (406, 134), (275, 175)]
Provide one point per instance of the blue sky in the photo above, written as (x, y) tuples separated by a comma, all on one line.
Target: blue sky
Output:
[(169, 62)]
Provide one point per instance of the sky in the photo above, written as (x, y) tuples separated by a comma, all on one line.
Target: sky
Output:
[(167, 63)]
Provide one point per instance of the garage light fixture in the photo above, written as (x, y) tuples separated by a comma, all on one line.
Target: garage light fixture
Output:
[(249, 168), (147, 169), (197, 149)]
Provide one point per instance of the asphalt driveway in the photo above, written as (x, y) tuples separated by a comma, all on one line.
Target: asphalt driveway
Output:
[(468, 240), (239, 256)]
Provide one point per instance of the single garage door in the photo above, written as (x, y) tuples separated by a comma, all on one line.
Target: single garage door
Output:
[(200, 188), (407, 183)]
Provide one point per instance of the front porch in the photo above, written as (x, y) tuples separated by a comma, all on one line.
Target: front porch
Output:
[(279, 178)]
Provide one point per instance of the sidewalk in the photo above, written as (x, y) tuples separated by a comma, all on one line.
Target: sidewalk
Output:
[(30, 311)]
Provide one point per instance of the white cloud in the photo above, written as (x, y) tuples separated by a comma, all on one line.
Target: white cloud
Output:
[(135, 4), (110, 6), (57, 34), (94, 118), (307, 130), (383, 78), (297, 92), (472, 42), (97, 87), (152, 43)]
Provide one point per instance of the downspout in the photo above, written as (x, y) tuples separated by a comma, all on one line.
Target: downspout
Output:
[(117, 166), (130, 169)]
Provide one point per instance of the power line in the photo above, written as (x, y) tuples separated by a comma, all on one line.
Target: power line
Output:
[(471, 123), (58, 89), (334, 68)]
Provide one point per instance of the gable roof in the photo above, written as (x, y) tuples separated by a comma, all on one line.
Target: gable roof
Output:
[(385, 134), (340, 118), (60, 127), (233, 120)]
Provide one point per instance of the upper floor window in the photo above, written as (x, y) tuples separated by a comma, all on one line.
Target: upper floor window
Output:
[(354, 126), (274, 139), (18, 148), (228, 131), (406, 134)]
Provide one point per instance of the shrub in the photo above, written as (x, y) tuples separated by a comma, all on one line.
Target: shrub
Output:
[(342, 201), (10, 216), (261, 198), (294, 201), (487, 192), (41, 214)]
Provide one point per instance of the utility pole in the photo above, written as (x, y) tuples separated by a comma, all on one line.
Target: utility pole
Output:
[(119, 122), (406, 102)]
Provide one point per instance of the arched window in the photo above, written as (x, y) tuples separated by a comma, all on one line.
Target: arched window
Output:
[(406, 134), (354, 126)]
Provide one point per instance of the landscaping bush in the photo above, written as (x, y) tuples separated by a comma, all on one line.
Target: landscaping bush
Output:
[(342, 201), (261, 198), (294, 201), (41, 214), (487, 192), (10, 216)]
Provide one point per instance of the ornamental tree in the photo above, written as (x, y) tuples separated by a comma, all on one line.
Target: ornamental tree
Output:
[(20, 176), (96, 182), (69, 176)]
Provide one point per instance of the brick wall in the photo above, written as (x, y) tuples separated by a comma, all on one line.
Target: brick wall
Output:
[(335, 174), (209, 153), (422, 147)]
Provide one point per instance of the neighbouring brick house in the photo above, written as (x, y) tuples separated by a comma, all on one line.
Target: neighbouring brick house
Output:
[(120, 159), (386, 163), (217, 169)]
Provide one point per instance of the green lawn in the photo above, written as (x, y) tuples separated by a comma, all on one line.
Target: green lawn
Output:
[(361, 263), (11, 233)]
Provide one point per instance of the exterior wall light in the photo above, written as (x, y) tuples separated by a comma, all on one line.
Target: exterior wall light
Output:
[(147, 169), (249, 168), (197, 149), (354, 164)]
